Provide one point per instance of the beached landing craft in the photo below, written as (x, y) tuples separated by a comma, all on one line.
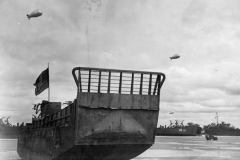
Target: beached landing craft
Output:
[(114, 116), (178, 130), (221, 129)]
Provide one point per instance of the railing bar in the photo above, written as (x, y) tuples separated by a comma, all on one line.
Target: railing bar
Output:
[(94, 86), (85, 85), (94, 78), (140, 81), (99, 81), (155, 86), (117, 71), (85, 78), (116, 75), (144, 88), (80, 81), (104, 78), (140, 92), (126, 84), (95, 74), (89, 81), (159, 79), (84, 74), (104, 75), (93, 82), (125, 87), (132, 83), (114, 90), (127, 80), (104, 90), (115, 79), (120, 83), (109, 81), (114, 83)]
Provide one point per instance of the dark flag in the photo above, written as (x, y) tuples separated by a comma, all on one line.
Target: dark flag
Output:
[(42, 82)]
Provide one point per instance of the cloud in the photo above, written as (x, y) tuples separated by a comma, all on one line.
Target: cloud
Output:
[(200, 90), (195, 13), (135, 35)]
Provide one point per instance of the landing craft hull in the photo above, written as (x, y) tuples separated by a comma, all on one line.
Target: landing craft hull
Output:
[(223, 132), (96, 125), (41, 144), (178, 131)]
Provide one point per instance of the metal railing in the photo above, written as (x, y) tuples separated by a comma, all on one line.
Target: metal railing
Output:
[(96, 80), (61, 118)]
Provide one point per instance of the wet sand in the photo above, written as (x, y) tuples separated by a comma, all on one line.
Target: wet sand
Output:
[(193, 148), (165, 148)]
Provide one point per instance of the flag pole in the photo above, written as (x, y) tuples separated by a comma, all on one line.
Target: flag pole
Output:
[(48, 85)]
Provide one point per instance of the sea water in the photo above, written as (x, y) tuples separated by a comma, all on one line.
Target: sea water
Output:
[(165, 148)]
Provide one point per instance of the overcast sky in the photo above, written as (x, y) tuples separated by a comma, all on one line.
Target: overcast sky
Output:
[(122, 34)]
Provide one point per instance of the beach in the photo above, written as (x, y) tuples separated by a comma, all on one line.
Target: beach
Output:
[(165, 148)]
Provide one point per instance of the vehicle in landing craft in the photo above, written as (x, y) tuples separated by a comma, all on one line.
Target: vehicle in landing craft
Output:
[(175, 56)]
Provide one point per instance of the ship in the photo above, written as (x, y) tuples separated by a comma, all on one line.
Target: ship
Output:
[(179, 129), (7, 130), (221, 129), (114, 116)]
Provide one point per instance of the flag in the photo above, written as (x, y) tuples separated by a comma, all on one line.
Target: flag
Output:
[(42, 82)]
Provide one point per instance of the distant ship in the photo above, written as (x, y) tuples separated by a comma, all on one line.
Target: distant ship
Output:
[(114, 116), (179, 130), (7, 130), (221, 129)]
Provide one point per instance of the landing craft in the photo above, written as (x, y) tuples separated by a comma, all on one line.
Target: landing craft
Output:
[(35, 13), (175, 56), (96, 126)]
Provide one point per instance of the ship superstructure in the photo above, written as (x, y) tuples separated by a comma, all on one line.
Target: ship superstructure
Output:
[(178, 129), (7, 130), (221, 129)]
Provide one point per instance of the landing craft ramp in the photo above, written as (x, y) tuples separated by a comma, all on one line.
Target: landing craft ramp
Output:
[(114, 116)]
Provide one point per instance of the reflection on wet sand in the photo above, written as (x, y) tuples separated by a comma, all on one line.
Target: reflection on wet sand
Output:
[(196, 148), (165, 148)]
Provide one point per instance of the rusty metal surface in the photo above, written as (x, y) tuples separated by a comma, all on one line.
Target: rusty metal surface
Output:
[(41, 145), (103, 152), (108, 127), (45, 143), (118, 101)]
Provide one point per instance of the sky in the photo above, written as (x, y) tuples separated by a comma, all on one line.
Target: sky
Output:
[(129, 35)]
